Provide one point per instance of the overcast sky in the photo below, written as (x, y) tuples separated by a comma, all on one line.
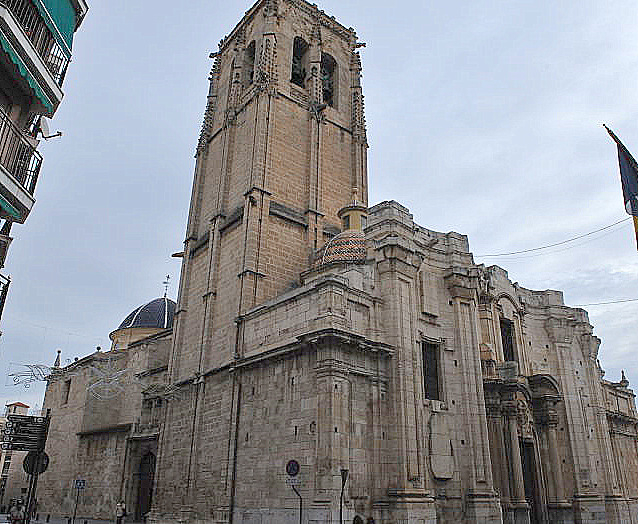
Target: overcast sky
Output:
[(484, 118)]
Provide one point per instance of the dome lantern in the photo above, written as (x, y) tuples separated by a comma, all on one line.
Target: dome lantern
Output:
[(350, 244)]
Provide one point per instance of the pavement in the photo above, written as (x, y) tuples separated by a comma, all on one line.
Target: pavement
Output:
[(78, 520)]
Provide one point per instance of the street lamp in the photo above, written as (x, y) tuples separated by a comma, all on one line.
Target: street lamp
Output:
[(344, 478)]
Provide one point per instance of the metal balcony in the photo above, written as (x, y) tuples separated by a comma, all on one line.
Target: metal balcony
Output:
[(18, 155), (5, 282), (37, 31)]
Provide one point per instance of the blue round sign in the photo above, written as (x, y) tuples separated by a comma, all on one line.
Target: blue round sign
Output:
[(292, 468)]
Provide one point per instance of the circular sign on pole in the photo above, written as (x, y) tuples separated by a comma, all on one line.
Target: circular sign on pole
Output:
[(35, 462), (292, 468)]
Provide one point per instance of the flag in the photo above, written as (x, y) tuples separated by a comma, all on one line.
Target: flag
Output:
[(629, 179)]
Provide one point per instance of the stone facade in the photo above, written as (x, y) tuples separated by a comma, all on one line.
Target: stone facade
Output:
[(447, 392), (105, 415), (520, 426)]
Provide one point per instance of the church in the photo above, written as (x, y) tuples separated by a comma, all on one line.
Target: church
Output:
[(404, 382)]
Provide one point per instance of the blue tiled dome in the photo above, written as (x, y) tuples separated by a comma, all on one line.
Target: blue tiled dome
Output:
[(157, 313)]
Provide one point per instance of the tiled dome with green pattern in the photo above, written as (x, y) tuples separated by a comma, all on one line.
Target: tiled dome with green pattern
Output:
[(348, 246)]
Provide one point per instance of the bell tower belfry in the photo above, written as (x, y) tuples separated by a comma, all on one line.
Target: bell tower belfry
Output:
[(282, 145)]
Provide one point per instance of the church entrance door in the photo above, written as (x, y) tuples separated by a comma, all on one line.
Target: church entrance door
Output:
[(532, 485), (147, 475)]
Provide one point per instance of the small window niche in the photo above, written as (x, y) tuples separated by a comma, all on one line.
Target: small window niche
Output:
[(66, 389), (249, 64), (431, 382), (328, 79), (507, 337), (345, 222), (299, 62)]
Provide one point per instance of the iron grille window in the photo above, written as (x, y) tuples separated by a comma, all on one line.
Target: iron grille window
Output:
[(431, 370), (507, 336)]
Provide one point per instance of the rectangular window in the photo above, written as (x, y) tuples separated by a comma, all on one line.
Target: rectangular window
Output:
[(431, 371), (66, 388), (507, 337)]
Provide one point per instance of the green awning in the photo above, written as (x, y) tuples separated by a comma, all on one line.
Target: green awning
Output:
[(60, 18), (24, 71), (9, 209)]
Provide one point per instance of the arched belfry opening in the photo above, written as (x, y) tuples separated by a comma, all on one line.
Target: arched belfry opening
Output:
[(299, 62), (329, 79), (249, 64)]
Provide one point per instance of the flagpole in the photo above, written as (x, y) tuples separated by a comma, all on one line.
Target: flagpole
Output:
[(629, 178)]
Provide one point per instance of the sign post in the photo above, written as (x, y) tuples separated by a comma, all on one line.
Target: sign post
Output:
[(25, 433), (292, 468), (79, 484)]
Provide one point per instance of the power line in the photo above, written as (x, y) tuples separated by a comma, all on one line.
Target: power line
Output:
[(557, 243), (567, 248), (606, 303), (54, 329)]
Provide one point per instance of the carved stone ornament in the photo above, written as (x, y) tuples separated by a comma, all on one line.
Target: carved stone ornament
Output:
[(525, 420), (485, 284)]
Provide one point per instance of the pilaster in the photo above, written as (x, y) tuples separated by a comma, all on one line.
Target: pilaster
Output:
[(409, 493), (482, 501)]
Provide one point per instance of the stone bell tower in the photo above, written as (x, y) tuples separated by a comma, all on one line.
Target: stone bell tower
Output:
[(282, 145)]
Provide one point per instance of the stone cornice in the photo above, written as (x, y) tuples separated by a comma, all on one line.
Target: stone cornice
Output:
[(313, 11), (115, 428), (311, 339), (462, 282), (345, 337)]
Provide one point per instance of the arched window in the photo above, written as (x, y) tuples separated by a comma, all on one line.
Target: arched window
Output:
[(507, 338), (249, 64), (328, 79), (299, 62)]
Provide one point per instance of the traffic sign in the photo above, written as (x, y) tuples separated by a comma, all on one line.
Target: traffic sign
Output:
[(293, 481), (79, 484), (25, 433), (292, 468), (35, 463)]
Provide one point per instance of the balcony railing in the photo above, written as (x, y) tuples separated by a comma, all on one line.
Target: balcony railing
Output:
[(40, 35), (5, 282), (17, 155)]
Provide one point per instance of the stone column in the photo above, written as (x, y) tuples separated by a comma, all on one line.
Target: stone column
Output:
[(497, 446), (510, 409)]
